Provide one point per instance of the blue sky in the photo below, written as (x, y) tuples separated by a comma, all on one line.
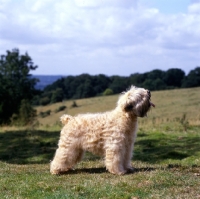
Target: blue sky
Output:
[(112, 37), (169, 6)]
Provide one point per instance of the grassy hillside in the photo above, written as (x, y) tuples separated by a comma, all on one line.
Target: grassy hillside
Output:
[(171, 105), (166, 155)]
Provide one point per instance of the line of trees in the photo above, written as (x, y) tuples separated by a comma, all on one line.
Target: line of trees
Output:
[(18, 93), (85, 85)]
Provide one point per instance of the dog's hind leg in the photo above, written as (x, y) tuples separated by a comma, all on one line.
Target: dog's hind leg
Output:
[(65, 159)]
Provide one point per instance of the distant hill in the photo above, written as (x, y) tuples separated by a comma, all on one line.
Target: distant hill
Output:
[(46, 80)]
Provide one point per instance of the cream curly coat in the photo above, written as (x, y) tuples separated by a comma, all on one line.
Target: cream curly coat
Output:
[(110, 134)]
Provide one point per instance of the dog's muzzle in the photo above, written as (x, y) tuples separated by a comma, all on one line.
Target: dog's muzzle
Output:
[(150, 103)]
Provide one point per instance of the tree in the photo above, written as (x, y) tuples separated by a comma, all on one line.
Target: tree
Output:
[(16, 83), (100, 83), (156, 84), (57, 95), (137, 79), (83, 86), (154, 80), (118, 83), (192, 79), (174, 77), (155, 74)]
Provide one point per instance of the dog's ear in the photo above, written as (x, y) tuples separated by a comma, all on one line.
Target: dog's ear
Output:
[(125, 103), (128, 107)]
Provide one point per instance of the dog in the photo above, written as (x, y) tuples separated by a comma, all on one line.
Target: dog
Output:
[(111, 134)]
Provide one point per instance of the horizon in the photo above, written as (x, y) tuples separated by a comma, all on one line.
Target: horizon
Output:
[(109, 75)]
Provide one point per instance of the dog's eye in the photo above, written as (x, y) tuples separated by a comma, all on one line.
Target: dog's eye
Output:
[(129, 107)]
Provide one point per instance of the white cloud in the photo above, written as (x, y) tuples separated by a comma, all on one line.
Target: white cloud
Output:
[(105, 3), (194, 8), (101, 36)]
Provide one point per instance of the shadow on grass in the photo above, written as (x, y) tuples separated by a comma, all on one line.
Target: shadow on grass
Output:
[(28, 147), (154, 149), (38, 147), (103, 170), (31, 147)]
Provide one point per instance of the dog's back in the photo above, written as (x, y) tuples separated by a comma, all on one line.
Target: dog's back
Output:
[(65, 118)]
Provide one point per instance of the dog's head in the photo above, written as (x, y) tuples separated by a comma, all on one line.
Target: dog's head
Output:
[(136, 101)]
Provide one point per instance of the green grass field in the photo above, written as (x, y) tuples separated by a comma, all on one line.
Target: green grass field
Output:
[(166, 155)]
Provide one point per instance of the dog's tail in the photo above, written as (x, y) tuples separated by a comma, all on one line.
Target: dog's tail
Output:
[(65, 118)]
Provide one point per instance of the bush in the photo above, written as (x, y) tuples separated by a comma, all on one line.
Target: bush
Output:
[(26, 115), (60, 108), (108, 91), (44, 101), (45, 114), (74, 105)]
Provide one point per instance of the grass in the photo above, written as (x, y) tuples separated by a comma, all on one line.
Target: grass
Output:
[(34, 181), (167, 172), (166, 156)]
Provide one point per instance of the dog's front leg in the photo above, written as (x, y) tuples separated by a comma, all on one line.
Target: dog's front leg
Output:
[(128, 157), (113, 161), (129, 145)]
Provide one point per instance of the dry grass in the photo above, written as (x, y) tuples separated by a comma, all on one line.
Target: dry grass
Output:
[(96, 104), (170, 105)]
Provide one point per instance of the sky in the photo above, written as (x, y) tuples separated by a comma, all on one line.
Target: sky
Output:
[(111, 37)]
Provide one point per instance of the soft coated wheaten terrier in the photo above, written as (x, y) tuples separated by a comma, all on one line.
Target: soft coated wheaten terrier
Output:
[(110, 134)]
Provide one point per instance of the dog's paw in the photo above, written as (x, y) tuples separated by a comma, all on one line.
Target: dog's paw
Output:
[(59, 172), (54, 172), (118, 172)]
